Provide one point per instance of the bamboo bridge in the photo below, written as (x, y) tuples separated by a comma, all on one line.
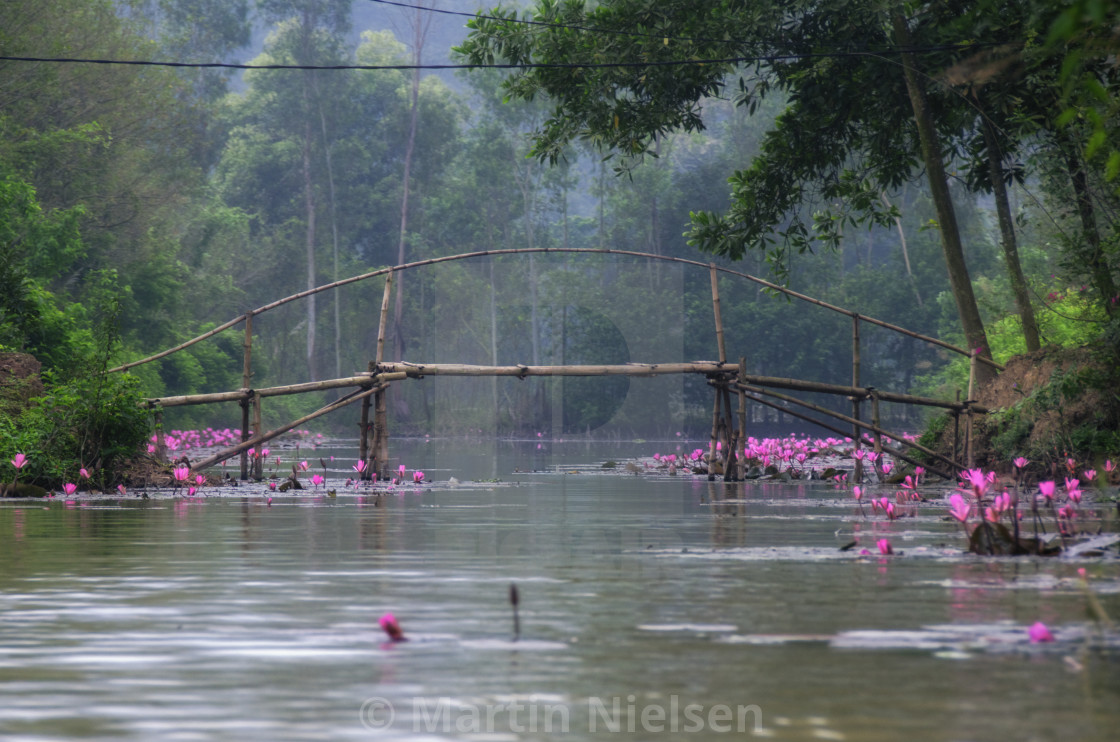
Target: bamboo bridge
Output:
[(725, 377)]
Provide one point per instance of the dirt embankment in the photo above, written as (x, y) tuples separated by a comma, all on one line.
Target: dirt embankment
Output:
[(19, 382), (1049, 405)]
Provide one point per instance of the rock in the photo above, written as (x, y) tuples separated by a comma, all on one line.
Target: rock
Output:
[(22, 489)]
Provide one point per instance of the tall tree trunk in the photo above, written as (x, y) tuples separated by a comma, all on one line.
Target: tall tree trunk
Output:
[(1098, 268), (1007, 235), (334, 233), (905, 250), (406, 185), (309, 209), (419, 33), (959, 280)]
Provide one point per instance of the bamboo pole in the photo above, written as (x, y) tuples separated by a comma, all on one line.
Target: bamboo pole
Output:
[(246, 383), (715, 311), (245, 435), (970, 460), (851, 421), (379, 462), (741, 473), (878, 441), (418, 370), (265, 437), (712, 440), (524, 250), (161, 439), (258, 461), (363, 433), (273, 391), (395, 371), (857, 474), (729, 437)]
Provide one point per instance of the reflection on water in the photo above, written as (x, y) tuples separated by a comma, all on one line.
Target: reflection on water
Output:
[(650, 607)]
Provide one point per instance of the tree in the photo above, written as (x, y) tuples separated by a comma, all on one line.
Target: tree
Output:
[(856, 124), (309, 19)]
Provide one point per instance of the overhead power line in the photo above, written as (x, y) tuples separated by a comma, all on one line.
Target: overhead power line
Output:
[(499, 65)]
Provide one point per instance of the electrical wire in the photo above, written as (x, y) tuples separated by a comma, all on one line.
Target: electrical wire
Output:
[(497, 65)]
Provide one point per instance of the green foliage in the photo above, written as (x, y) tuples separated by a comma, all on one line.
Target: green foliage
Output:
[(86, 417), (92, 421)]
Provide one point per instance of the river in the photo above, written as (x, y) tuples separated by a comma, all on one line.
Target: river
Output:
[(650, 607)]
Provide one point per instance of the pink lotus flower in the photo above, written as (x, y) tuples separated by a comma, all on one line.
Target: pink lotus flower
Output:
[(958, 508), (181, 473), (69, 488), (978, 479), (316, 479), (1047, 490), (1090, 474), (190, 491), (19, 461), (359, 467), (303, 466), (857, 492), (389, 624), (918, 472), (83, 473), (1039, 633), (1109, 466), (858, 454), (200, 479), (885, 547), (417, 477), (272, 486), (400, 470), (121, 489), (1020, 463)]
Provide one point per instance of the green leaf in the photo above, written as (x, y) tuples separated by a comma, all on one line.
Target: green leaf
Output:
[(1112, 168)]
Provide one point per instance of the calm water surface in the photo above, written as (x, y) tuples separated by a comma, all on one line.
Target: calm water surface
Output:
[(651, 608)]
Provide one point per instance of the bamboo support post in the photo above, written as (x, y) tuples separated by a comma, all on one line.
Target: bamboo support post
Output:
[(258, 460), (379, 462), (956, 436), (878, 438), (363, 436), (729, 462), (714, 438), (246, 383), (968, 429), (718, 318), (857, 474), (161, 439), (245, 435), (741, 473)]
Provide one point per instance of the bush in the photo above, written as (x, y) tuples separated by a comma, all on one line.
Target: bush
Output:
[(91, 421)]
